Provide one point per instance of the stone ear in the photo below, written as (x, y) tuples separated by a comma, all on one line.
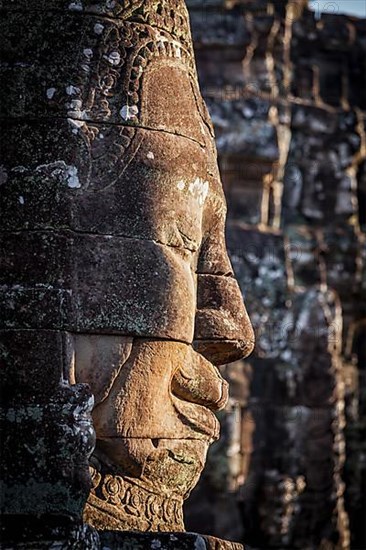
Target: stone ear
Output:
[(99, 360)]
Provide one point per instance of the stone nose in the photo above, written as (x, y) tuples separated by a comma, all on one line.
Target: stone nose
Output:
[(223, 331)]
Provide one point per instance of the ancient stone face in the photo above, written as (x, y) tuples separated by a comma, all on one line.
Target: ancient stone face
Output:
[(113, 227), (154, 425)]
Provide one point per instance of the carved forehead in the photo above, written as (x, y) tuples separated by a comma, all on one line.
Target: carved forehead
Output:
[(171, 16), (167, 15), (127, 8), (94, 61)]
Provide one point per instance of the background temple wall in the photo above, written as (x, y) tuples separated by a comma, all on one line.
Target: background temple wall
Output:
[(286, 92)]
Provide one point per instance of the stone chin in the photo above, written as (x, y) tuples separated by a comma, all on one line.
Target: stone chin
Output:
[(142, 483), (154, 421), (161, 466)]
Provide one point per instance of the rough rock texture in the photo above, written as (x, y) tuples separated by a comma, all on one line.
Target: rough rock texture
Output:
[(35, 536), (31, 533), (47, 437), (286, 95), (166, 541), (112, 239)]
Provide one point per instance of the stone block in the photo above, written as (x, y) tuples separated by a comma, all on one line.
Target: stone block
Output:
[(32, 364), (257, 257), (249, 132), (44, 461), (303, 253), (168, 541), (39, 308), (108, 298)]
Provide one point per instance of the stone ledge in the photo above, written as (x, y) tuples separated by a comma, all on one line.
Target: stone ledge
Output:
[(114, 540), (24, 533)]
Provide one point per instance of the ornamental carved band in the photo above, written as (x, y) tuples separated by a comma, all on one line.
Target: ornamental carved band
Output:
[(113, 229)]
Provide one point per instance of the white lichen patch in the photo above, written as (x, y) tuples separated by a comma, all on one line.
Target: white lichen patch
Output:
[(75, 124), (88, 53), (150, 155), (113, 58), (98, 28), (75, 104), (76, 6), (75, 109), (177, 51), (164, 39), (72, 90), (50, 92), (61, 172), (19, 169), (129, 112), (199, 189), (161, 44), (72, 178)]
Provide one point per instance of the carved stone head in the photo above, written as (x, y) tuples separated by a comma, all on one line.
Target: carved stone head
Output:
[(122, 201)]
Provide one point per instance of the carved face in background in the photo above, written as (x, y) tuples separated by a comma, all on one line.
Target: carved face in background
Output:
[(132, 194)]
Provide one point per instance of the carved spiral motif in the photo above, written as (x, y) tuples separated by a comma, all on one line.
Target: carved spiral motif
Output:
[(113, 489), (119, 496), (95, 477)]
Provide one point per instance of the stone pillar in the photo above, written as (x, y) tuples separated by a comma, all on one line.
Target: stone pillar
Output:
[(47, 437)]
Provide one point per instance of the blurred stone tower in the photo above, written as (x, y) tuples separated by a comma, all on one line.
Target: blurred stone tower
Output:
[(285, 89)]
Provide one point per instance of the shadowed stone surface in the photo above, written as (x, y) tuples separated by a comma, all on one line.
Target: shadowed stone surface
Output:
[(47, 437), (39, 537), (124, 541)]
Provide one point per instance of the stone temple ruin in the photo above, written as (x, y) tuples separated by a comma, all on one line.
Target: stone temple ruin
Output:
[(121, 318)]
